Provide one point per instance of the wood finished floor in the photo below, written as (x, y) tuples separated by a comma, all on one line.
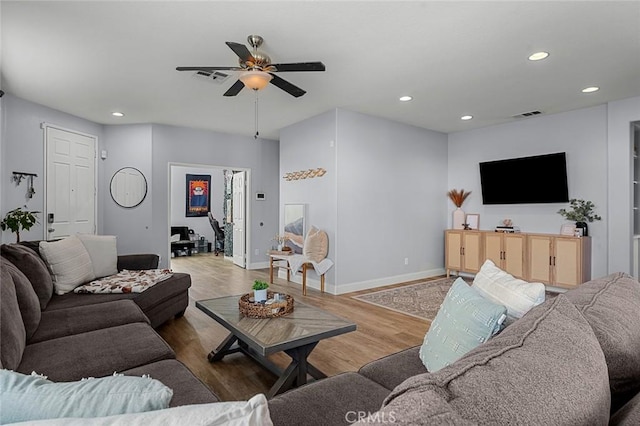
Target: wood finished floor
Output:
[(380, 331)]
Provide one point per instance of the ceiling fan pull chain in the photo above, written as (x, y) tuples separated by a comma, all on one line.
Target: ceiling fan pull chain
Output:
[(257, 134)]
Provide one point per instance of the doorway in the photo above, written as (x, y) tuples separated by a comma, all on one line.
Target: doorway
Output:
[(199, 224), (70, 183)]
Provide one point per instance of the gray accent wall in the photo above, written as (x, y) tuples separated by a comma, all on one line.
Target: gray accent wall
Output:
[(128, 146), (376, 201), (23, 151)]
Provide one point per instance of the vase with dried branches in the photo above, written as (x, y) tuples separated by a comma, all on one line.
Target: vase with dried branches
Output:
[(457, 198)]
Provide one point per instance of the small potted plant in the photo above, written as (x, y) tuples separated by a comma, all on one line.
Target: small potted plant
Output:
[(260, 291), (581, 212), (17, 220)]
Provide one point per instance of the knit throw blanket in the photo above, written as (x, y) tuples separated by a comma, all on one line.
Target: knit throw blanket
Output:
[(125, 281)]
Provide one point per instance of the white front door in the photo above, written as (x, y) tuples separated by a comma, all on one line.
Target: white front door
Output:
[(238, 209), (70, 183)]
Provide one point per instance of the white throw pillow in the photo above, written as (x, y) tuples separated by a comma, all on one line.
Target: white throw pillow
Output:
[(103, 253), (254, 412), (69, 263), (316, 245), (517, 295)]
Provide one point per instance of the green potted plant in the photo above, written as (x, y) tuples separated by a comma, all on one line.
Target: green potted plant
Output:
[(260, 291), (581, 212), (17, 220)]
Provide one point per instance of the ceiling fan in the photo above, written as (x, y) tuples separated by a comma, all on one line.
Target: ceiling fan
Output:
[(257, 69)]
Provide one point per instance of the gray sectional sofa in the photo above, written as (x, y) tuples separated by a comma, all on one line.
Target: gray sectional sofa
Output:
[(574, 360), (72, 336)]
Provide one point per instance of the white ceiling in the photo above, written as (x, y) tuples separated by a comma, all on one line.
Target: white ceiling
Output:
[(455, 58)]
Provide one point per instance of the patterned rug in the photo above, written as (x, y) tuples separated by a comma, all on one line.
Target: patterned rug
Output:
[(421, 300)]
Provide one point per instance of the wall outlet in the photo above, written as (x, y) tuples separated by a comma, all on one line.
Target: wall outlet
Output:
[(256, 252), (406, 260)]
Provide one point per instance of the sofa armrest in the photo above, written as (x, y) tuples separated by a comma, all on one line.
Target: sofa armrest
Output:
[(138, 261)]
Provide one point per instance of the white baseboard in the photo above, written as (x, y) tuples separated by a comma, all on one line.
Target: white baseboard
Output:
[(258, 265), (381, 282), (363, 285)]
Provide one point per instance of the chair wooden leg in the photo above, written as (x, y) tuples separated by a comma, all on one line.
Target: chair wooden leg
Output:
[(304, 279), (322, 283)]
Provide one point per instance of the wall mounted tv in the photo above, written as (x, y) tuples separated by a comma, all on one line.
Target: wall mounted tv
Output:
[(525, 180)]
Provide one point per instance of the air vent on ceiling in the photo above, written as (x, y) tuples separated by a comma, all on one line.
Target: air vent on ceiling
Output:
[(527, 114), (211, 76)]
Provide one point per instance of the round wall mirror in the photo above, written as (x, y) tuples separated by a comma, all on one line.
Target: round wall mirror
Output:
[(128, 187)]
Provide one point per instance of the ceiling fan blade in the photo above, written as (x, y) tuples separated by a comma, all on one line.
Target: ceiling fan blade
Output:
[(241, 50), (209, 69), (300, 66), (286, 86), (235, 89)]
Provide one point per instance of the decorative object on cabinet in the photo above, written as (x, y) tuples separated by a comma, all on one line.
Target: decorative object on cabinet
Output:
[(581, 212), (458, 198), (473, 221), (568, 229)]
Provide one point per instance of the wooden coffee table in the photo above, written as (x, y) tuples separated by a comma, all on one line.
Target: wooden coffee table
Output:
[(297, 334)]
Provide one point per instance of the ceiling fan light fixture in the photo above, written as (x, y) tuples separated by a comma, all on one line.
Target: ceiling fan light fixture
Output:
[(256, 80)]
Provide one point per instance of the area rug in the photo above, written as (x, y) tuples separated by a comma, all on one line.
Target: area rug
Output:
[(421, 300)]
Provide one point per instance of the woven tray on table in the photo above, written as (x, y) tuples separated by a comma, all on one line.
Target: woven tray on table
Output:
[(251, 309)]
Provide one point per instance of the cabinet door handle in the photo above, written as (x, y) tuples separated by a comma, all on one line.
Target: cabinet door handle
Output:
[(554, 261), (550, 262)]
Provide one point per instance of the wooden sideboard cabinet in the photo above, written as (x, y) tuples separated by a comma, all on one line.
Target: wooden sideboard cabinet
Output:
[(463, 251), (507, 251), (560, 261), (557, 260)]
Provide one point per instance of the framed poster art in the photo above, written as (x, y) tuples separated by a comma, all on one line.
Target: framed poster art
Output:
[(294, 226), (198, 195)]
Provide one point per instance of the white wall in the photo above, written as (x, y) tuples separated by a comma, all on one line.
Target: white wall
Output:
[(376, 201), (391, 177), (582, 134), (200, 225), (23, 151)]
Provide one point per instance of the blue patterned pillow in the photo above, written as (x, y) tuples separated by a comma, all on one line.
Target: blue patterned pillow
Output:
[(465, 320), (33, 397)]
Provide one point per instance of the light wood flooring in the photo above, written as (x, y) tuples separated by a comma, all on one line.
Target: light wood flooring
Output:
[(379, 332)]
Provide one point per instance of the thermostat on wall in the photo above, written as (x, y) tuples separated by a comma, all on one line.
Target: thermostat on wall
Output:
[(260, 196)]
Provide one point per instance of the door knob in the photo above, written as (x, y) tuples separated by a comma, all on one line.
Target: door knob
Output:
[(51, 229)]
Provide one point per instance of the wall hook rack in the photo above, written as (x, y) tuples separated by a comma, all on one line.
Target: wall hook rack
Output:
[(18, 176)]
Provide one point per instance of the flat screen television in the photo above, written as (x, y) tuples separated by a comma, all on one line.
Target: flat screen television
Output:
[(525, 180)]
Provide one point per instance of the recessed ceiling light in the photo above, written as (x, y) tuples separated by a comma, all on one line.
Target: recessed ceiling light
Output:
[(405, 98), (117, 114), (590, 89), (466, 117), (538, 56)]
